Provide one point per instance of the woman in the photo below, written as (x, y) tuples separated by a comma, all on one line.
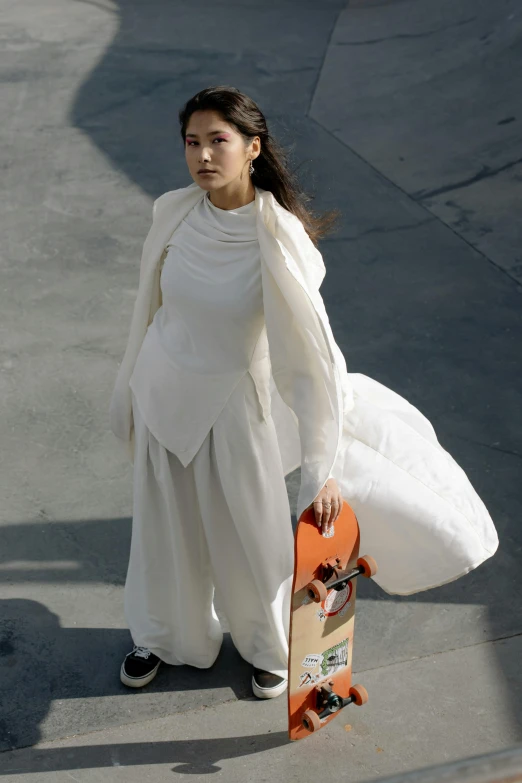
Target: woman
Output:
[(231, 379)]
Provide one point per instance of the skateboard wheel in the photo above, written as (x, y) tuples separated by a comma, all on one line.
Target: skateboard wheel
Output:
[(311, 720), (316, 591), (369, 565), (359, 694)]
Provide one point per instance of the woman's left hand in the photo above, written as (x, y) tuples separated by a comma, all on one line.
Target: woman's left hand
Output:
[(327, 505)]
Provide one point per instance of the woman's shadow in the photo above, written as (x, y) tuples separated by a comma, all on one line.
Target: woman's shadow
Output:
[(42, 662)]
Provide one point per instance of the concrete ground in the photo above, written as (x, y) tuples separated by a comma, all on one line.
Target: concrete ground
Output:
[(406, 115)]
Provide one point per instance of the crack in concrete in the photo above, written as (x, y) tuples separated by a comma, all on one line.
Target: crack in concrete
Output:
[(440, 652), (488, 446), (485, 173), (403, 36), (382, 230)]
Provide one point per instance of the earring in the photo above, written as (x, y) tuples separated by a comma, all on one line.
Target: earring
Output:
[(251, 169)]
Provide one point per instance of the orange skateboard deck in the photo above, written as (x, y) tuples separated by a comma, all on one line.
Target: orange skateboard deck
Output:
[(322, 622)]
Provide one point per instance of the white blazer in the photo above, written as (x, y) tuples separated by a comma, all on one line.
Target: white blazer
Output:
[(419, 515)]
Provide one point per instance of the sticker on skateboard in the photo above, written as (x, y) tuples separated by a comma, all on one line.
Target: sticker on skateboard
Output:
[(335, 658), (311, 661), (338, 601)]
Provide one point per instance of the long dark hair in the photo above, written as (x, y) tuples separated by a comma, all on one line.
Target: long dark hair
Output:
[(271, 170)]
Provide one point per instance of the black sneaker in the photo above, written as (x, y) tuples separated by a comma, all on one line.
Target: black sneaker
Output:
[(139, 667), (266, 685)]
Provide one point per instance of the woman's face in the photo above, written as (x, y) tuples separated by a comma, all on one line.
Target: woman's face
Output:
[(212, 144)]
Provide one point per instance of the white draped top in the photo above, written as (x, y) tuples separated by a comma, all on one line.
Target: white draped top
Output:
[(202, 338)]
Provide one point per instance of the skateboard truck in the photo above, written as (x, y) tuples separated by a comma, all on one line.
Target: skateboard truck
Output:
[(335, 578), (329, 702)]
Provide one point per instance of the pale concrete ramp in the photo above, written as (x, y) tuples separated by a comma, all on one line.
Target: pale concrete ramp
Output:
[(431, 98)]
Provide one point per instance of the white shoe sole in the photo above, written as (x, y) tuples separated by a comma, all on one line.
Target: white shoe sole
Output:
[(138, 682), (268, 693)]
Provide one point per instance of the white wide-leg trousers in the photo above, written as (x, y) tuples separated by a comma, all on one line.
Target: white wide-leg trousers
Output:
[(221, 525)]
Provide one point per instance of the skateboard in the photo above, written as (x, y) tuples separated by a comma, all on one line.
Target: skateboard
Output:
[(322, 622)]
